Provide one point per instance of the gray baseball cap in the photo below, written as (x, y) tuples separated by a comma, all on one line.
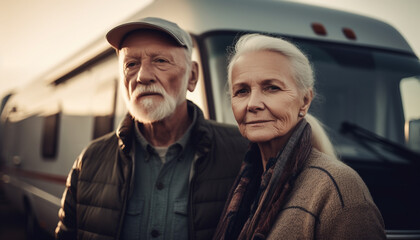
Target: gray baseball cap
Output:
[(117, 34)]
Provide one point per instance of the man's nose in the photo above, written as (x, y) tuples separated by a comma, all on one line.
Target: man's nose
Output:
[(255, 101), (145, 75)]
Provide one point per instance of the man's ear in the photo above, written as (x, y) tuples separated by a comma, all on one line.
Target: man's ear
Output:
[(193, 79), (307, 99)]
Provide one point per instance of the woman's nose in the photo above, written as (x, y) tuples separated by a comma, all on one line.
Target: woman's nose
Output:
[(255, 102)]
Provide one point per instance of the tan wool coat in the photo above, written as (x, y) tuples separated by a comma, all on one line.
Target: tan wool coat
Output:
[(329, 201)]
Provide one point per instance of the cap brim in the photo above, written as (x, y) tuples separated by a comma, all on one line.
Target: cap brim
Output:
[(117, 34)]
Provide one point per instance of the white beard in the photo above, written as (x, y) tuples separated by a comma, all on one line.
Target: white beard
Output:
[(146, 110)]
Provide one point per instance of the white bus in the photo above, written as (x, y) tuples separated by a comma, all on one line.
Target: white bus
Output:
[(365, 75)]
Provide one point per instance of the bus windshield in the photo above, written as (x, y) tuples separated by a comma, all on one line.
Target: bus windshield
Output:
[(373, 89)]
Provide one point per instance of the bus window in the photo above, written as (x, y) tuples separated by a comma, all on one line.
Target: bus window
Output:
[(410, 89), (198, 96), (50, 136), (103, 108)]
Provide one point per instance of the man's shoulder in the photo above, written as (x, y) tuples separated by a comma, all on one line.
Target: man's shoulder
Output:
[(107, 141), (111, 136), (224, 128), (228, 138), (98, 149)]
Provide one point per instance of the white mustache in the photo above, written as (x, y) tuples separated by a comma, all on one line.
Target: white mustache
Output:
[(141, 90)]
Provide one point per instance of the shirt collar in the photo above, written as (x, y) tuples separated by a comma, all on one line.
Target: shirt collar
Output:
[(183, 141)]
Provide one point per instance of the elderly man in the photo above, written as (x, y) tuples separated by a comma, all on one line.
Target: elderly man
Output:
[(166, 172)]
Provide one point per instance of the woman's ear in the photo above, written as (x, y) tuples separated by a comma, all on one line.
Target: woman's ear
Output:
[(193, 79), (307, 99)]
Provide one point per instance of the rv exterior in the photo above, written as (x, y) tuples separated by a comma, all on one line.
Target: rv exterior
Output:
[(365, 73)]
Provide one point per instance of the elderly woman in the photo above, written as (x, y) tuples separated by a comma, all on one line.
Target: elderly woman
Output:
[(291, 185)]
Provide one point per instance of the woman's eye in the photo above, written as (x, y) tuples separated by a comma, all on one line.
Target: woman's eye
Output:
[(272, 88), (240, 92)]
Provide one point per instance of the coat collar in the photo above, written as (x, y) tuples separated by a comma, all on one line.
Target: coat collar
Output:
[(200, 133)]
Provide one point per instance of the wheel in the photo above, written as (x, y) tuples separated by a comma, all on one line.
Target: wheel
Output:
[(32, 228)]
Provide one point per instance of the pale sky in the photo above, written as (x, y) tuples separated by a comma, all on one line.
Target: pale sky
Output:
[(36, 35)]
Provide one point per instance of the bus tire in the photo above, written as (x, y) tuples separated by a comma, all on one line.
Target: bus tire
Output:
[(32, 228)]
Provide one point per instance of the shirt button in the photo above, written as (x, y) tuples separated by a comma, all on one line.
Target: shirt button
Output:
[(159, 185), (155, 233)]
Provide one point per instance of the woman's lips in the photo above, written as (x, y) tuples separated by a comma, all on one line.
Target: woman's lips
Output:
[(257, 121)]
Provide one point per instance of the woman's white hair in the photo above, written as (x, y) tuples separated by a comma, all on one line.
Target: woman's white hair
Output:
[(301, 71), (320, 139), (301, 68)]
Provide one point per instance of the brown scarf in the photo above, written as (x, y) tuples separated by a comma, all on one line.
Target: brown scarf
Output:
[(254, 221)]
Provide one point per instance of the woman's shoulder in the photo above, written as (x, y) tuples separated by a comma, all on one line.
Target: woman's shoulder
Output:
[(331, 166), (329, 175), (330, 196)]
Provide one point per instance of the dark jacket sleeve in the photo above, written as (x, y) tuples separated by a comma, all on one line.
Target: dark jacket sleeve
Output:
[(67, 225)]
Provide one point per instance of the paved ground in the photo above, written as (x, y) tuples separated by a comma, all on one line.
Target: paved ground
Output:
[(11, 222)]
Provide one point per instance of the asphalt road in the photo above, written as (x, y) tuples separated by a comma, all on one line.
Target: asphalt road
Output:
[(12, 223)]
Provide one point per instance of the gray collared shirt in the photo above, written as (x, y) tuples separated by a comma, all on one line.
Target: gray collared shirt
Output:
[(158, 207)]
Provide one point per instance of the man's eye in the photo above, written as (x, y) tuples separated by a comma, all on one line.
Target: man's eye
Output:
[(161, 60), (131, 65)]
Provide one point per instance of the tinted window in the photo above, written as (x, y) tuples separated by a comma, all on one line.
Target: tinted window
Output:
[(50, 135)]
